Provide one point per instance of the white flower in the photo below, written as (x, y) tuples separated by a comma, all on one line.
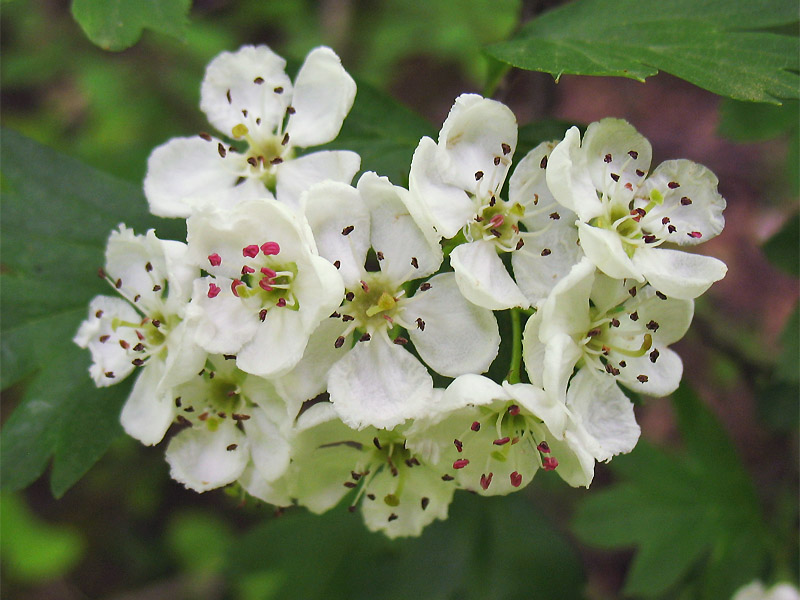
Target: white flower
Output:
[(236, 421), (623, 218), (616, 328), (378, 382), (399, 494), (267, 289), (247, 96), (757, 591), (146, 329), (455, 187)]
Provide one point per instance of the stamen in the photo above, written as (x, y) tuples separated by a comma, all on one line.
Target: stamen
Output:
[(460, 463), (476, 426), (549, 463), (214, 259), (213, 290), (516, 479), (486, 480), (250, 251), (270, 248)]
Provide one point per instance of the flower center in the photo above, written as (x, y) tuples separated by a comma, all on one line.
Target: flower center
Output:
[(497, 221), (375, 306), (211, 398)]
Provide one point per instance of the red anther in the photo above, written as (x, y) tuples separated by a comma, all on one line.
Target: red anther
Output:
[(515, 440), (513, 410), (459, 446), (629, 187), (270, 248), (140, 335), (215, 259), (516, 479), (262, 314), (543, 447), (250, 251), (497, 220), (502, 441), (264, 284), (213, 290), (486, 480), (460, 463), (281, 302), (247, 270), (549, 463), (268, 272), (234, 284), (695, 234), (364, 286), (475, 426)]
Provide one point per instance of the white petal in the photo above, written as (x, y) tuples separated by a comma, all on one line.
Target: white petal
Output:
[(569, 179), (472, 138), (662, 377), (528, 187), (147, 414), (222, 324), (679, 274), (296, 176), (567, 308), (615, 154), (332, 209), (394, 232), (605, 412), (691, 202), (604, 247), (274, 492), (379, 383), (184, 357), (269, 449), (533, 350), (277, 345), (533, 399), (545, 259), (235, 75), (459, 337), (187, 174), (672, 315), (575, 462), (483, 279), (435, 204), (323, 95), (561, 356), (200, 459)]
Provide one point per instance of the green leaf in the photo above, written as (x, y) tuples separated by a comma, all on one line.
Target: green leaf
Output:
[(693, 513), (724, 46), (489, 548), (118, 24), (384, 132), (57, 214)]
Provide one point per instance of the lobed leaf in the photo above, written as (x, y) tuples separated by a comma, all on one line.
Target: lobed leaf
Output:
[(724, 46)]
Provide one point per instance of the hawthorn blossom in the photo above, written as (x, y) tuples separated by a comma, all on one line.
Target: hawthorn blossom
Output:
[(248, 97), (143, 328), (618, 329), (378, 382), (234, 421), (757, 591), (397, 492), (624, 216), (267, 289)]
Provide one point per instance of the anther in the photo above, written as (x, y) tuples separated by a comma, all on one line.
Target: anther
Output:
[(125, 345), (661, 295), (642, 378), (392, 517), (400, 341), (555, 216), (264, 284), (348, 230), (607, 158), (213, 290), (459, 445), (377, 443), (349, 296), (496, 160), (276, 161), (137, 362), (420, 324), (652, 326), (633, 154), (423, 503), (205, 136), (339, 342), (632, 291), (285, 139), (379, 255), (672, 228), (252, 161), (109, 374), (137, 297), (549, 463), (290, 110), (228, 96), (281, 302), (501, 441), (156, 288), (139, 347), (612, 370), (262, 314), (239, 417), (673, 185), (686, 201), (495, 232), (695, 234), (346, 318), (520, 244), (486, 481), (478, 175), (118, 283), (447, 477), (278, 90), (513, 410), (371, 496), (231, 447), (221, 150), (476, 426), (543, 447), (414, 262), (425, 287), (615, 322), (350, 484), (156, 323), (250, 251), (235, 284), (634, 316), (640, 173), (215, 259), (546, 251), (654, 355), (460, 463), (337, 264), (98, 314), (623, 364), (246, 270), (506, 148), (543, 163), (365, 338), (364, 286), (516, 479), (649, 238), (614, 176), (270, 248)]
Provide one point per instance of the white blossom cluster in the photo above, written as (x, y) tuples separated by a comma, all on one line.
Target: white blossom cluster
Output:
[(292, 341)]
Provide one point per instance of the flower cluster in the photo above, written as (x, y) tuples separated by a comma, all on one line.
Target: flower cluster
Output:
[(314, 339)]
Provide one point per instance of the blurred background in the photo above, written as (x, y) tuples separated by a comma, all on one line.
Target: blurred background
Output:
[(126, 531)]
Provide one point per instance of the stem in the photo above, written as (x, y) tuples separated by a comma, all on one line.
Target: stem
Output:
[(516, 348)]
